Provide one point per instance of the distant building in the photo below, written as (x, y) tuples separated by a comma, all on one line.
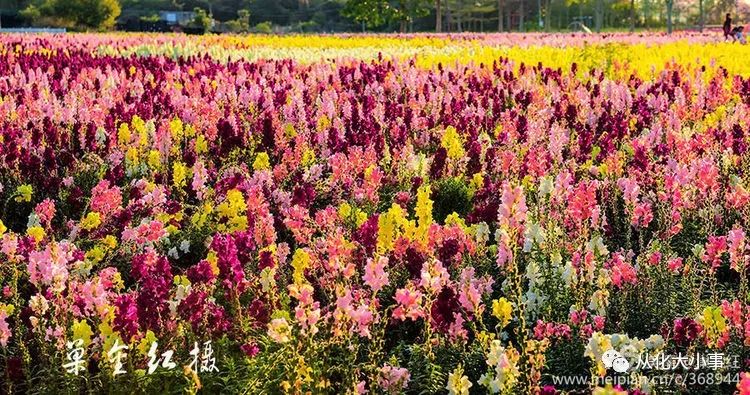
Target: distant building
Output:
[(181, 18)]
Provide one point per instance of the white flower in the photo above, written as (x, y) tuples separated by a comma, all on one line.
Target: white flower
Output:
[(545, 186), (458, 384), (279, 330), (482, 232)]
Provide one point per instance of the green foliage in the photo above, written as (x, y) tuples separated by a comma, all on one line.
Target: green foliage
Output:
[(74, 14), (243, 20), (264, 28), (449, 196), (376, 13), (371, 13), (150, 18), (202, 20)]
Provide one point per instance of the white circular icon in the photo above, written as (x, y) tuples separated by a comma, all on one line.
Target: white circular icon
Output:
[(614, 360)]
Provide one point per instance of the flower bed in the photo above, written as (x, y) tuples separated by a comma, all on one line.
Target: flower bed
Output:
[(451, 215)]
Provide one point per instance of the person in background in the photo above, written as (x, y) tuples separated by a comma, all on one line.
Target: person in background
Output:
[(728, 27), (738, 34)]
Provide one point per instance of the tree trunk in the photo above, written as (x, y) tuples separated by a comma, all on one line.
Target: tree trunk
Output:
[(438, 17), (500, 15), (632, 16), (539, 13), (509, 20), (520, 16), (701, 19), (547, 15), (669, 16), (598, 9)]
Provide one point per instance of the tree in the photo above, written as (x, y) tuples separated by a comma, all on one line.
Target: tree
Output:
[(370, 13), (74, 14), (376, 13), (632, 15), (500, 6), (243, 17), (670, 4), (438, 17), (202, 20)]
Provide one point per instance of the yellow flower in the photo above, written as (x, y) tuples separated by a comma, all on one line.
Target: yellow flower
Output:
[(179, 173), (455, 219), (300, 262), (36, 232), (608, 390), (82, 330), (502, 309), (477, 182), (233, 210), (452, 143), (390, 225), (424, 214), (458, 383), (262, 162), (181, 280), (176, 128), (213, 261), (23, 193), (308, 158), (189, 131), (201, 216), (8, 308), (123, 134), (95, 254), (345, 210), (154, 159), (201, 146), (2, 228), (110, 242), (145, 344), (91, 221), (714, 323)]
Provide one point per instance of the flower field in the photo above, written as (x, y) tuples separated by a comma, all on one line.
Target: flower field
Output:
[(377, 214)]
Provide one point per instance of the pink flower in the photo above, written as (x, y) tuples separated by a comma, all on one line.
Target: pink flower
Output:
[(512, 210), (582, 202), (654, 258), (715, 247), (472, 289), (743, 386), (45, 211), (630, 190), (250, 349), (375, 275), (599, 322), (393, 380), (675, 265), (5, 332), (733, 312), (737, 258), (434, 276), (409, 304), (105, 200), (50, 266), (642, 215), (146, 232), (622, 272), (200, 175), (362, 317)]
